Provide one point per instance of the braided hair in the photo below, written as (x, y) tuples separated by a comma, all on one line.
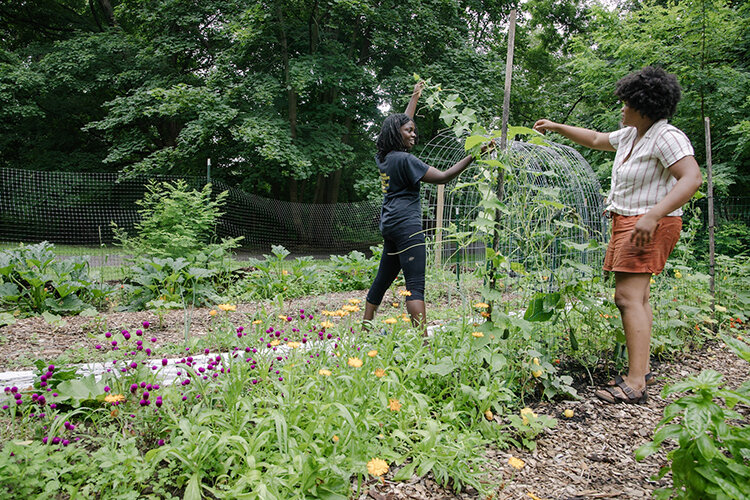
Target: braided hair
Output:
[(390, 138), (651, 91)]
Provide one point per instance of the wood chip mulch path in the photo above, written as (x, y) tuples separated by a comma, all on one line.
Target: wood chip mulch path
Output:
[(590, 455)]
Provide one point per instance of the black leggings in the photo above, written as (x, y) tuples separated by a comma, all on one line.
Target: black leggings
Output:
[(402, 250)]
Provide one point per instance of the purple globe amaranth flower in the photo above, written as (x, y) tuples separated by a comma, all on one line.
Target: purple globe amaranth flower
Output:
[(164, 362), (114, 343), (133, 387), (5, 407), (53, 405), (65, 442), (148, 352), (160, 442), (126, 335), (106, 388), (14, 389), (108, 335), (56, 440), (139, 332), (153, 339), (146, 324), (98, 346)]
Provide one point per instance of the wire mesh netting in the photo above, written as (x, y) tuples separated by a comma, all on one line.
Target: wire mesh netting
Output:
[(80, 209), (551, 204)]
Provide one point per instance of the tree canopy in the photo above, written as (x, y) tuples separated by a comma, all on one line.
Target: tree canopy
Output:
[(286, 96)]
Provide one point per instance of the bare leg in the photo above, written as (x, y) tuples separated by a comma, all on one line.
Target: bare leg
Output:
[(631, 298), (416, 310)]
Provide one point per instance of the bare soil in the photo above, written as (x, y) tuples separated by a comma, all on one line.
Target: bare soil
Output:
[(590, 455)]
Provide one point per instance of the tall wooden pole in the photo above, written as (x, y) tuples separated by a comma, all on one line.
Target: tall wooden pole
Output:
[(439, 225), (711, 241), (503, 142)]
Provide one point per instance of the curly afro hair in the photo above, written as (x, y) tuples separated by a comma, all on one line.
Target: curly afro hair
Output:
[(390, 138), (651, 91)]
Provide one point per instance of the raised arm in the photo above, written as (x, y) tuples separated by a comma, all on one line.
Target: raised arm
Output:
[(411, 108), (583, 136)]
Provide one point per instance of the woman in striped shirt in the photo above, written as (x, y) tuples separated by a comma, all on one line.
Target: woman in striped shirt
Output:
[(653, 176)]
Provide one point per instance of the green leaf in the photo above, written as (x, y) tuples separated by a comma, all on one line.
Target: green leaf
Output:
[(405, 472), (473, 141), (646, 450), (706, 447), (442, 368), (193, 489), (697, 419)]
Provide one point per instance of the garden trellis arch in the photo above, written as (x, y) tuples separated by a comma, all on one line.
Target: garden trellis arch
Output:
[(553, 199)]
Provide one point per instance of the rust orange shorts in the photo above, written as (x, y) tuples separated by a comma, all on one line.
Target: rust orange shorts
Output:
[(623, 256)]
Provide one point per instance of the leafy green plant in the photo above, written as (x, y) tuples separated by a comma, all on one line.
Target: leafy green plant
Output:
[(34, 280), (277, 276), (713, 440), (353, 271)]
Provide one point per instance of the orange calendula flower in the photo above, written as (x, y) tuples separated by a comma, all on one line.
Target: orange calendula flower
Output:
[(478, 335), (326, 324), (326, 312), (379, 373), (274, 343), (404, 293), (335, 438), (395, 304), (350, 308), (484, 314), (324, 372), (516, 463), (284, 272), (377, 467), (488, 415), (227, 307), (527, 412), (354, 362), (257, 321), (394, 404), (114, 398), (481, 305), (390, 321), (212, 312), (354, 301), (293, 345), (372, 353)]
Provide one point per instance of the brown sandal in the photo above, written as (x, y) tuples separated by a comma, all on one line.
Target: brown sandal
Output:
[(650, 380), (613, 396)]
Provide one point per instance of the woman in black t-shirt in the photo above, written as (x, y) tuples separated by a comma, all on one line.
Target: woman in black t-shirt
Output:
[(401, 217)]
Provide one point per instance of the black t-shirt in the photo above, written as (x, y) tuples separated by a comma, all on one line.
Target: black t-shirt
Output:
[(400, 174)]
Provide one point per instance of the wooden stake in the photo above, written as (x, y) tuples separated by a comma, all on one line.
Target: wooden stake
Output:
[(711, 241), (439, 225)]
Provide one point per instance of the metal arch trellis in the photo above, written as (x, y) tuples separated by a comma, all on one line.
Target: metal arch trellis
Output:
[(552, 197)]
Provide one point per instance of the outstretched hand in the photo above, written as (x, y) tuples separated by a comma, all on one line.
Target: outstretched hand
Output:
[(544, 125)]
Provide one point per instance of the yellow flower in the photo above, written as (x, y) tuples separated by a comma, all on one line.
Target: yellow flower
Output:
[(326, 324), (354, 362), (677, 274), (652, 281), (405, 318), (274, 343), (488, 415), (372, 353), (568, 413), (390, 321), (284, 272), (282, 317), (354, 301), (227, 307), (377, 467), (484, 314), (404, 293), (536, 373), (335, 438), (379, 373), (535, 361), (114, 398), (394, 404), (257, 321), (350, 309), (478, 335), (212, 312), (481, 305), (516, 463), (293, 345), (324, 372), (525, 413), (395, 304), (325, 312)]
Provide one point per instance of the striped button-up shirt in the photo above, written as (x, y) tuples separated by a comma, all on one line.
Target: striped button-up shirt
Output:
[(640, 174)]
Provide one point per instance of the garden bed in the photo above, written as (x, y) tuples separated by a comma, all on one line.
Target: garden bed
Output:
[(590, 455)]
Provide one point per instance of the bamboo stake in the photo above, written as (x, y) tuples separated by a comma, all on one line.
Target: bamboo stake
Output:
[(503, 141), (439, 225), (711, 241)]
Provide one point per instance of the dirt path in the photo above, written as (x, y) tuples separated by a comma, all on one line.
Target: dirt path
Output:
[(587, 456)]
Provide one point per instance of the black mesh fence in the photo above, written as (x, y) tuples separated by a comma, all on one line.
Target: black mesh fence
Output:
[(80, 208)]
